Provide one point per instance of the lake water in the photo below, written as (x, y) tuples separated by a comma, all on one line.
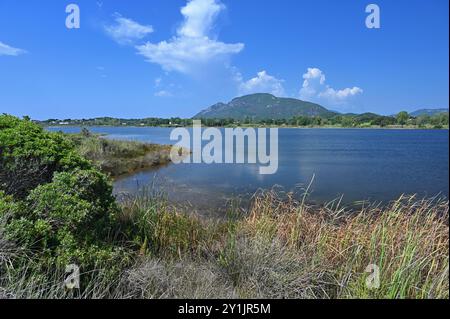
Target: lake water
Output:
[(375, 165)]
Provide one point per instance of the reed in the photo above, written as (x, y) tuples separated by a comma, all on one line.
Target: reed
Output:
[(279, 248)]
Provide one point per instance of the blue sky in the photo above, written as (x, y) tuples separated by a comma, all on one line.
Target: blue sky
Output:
[(159, 58)]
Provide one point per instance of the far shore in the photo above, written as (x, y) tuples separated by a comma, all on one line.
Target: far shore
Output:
[(264, 126)]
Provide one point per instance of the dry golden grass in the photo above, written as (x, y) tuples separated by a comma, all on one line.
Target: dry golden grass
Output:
[(408, 240), (280, 248)]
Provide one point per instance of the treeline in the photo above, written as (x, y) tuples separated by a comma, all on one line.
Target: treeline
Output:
[(345, 120), (109, 121), (340, 120)]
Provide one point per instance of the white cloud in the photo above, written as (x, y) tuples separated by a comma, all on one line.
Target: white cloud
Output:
[(126, 31), (313, 74), (192, 46), (185, 54), (8, 50), (315, 89), (163, 93), (340, 95), (262, 83), (199, 16)]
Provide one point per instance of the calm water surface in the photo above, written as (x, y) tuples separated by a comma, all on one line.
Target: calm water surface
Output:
[(376, 165)]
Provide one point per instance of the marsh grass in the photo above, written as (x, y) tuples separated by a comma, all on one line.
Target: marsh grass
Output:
[(407, 240), (117, 157), (31, 280), (283, 248), (279, 248)]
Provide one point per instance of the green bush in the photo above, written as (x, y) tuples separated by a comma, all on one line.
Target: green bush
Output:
[(7, 204), (54, 204), (29, 156), (69, 219)]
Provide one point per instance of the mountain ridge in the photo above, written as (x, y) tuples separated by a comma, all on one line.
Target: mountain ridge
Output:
[(261, 106), (429, 112)]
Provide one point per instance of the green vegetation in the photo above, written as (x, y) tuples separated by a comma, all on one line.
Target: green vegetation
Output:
[(120, 157), (30, 156), (437, 121), (54, 204), (402, 118), (366, 120), (143, 247), (108, 121), (268, 110), (265, 110), (257, 107)]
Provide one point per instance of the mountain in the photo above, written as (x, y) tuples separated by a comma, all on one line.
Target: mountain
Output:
[(429, 112), (263, 106)]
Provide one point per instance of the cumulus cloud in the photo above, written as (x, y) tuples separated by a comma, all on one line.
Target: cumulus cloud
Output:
[(126, 31), (199, 17), (192, 46), (340, 95), (315, 89), (262, 83), (9, 50), (183, 54)]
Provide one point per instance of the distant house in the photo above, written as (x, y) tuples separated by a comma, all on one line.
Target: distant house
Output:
[(63, 123)]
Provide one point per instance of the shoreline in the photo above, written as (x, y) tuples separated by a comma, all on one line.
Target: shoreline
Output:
[(119, 158), (258, 126)]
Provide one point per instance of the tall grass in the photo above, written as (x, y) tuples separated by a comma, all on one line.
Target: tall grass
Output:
[(407, 240), (279, 248), (288, 249), (117, 157)]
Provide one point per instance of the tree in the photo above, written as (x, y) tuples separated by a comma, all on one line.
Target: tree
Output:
[(347, 121), (402, 118), (422, 120)]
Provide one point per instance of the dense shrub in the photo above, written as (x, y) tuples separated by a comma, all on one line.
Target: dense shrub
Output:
[(29, 156), (53, 203), (76, 206)]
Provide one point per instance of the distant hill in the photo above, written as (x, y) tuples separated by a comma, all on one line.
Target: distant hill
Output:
[(263, 106), (429, 112)]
